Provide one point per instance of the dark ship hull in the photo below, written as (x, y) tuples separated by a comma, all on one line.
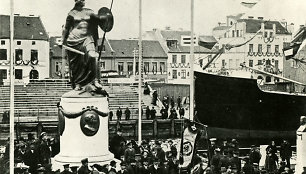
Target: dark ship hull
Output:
[(236, 107)]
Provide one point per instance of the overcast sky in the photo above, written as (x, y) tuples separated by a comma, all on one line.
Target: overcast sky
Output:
[(159, 13)]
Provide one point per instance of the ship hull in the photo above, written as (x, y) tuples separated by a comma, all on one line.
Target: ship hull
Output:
[(236, 107)]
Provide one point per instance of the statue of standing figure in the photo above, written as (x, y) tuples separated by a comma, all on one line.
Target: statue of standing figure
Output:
[(80, 35)]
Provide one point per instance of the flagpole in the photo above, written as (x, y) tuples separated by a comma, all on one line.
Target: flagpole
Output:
[(191, 111), (140, 72), (12, 87)]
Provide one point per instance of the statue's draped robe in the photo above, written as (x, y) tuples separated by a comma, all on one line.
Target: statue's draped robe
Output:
[(83, 34)]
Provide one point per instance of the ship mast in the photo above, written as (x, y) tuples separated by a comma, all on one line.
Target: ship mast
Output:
[(12, 87), (191, 98), (140, 73)]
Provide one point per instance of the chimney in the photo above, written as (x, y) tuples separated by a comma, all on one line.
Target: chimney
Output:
[(219, 24), (260, 18), (31, 15)]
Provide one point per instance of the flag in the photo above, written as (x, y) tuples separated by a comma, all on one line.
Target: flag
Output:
[(187, 145), (292, 50)]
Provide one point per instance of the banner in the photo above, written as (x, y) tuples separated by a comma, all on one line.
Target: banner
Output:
[(187, 146)]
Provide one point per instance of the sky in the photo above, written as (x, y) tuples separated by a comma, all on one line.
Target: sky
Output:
[(159, 13)]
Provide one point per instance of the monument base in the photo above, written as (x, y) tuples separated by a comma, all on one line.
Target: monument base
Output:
[(83, 127)]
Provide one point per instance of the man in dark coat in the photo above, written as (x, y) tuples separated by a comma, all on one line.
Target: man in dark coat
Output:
[(182, 112), (127, 113), (216, 161), (255, 155), (84, 168), (129, 153), (31, 159), (111, 115), (235, 161), (113, 168), (286, 152), (153, 113), (179, 100), (44, 150), (148, 113), (66, 169), (164, 113), (119, 114), (116, 145), (133, 168), (155, 168), (172, 102)]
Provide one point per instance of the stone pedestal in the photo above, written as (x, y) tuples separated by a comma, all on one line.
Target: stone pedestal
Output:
[(301, 147), (83, 126)]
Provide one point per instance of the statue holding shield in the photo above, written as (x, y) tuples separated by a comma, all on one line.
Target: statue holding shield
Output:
[(80, 36)]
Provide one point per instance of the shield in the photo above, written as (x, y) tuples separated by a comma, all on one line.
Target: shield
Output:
[(107, 24)]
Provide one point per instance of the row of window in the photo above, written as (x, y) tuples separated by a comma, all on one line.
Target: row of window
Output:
[(18, 55), (175, 59), (260, 48), (18, 74), (18, 42), (267, 62), (147, 68), (176, 74)]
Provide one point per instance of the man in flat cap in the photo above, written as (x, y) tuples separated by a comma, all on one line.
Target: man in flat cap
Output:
[(66, 169), (84, 168)]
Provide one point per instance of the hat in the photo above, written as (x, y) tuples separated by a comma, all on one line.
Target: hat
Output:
[(213, 139), (217, 149), (41, 169), (74, 168), (42, 134), (85, 160), (253, 145), (255, 164), (66, 165), (112, 163), (170, 141)]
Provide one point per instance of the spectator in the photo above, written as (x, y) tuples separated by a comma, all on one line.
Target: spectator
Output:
[(173, 114), (129, 153), (74, 169), (144, 169), (179, 101), (235, 161), (133, 168), (164, 113), (155, 168), (66, 169), (211, 149), (247, 167), (154, 98), (173, 149), (148, 113), (44, 150), (172, 102), (123, 168), (112, 170), (216, 161), (153, 113), (159, 152), (282, 166), (84, 168), (182, 112), (5, 117), (111, 115), (31, 158), (117, 144), (271, 159), (286, 152), (255, 155), (127, 113), (119, 114)]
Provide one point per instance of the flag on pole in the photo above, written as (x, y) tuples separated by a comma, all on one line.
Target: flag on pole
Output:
[(188, 145)]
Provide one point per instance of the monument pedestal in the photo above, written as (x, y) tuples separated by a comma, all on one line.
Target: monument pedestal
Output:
[(83, 128)]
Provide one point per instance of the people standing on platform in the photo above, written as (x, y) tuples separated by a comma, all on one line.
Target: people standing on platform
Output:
[(127, 113), (173, 114), (154, 98), (271, 158), (172, 102), (182, 112), (66, 169), (179, 101), (84, 168), (117, 143), (148, 113), (255, 155), (164, 113), (111, 114), (153, 113), (119, 114), (286, 152)]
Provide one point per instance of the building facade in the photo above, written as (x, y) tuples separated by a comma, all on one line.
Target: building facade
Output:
[(31, 49), (262, 44), (177, 46)]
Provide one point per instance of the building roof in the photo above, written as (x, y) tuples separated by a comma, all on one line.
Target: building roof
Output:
[(253, 25), (221, 28), (56, 51), (174, 35), (238, 16), (186, 49), (25, 27), (125, 48)]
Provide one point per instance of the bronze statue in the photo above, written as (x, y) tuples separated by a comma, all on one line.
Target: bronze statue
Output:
[(80, 37)]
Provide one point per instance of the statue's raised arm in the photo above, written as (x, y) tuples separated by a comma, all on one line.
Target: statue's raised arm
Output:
[(80, 35)]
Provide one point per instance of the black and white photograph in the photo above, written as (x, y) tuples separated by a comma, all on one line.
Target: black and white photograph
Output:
[(152, 87)]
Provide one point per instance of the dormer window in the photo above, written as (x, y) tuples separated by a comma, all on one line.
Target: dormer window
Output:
[(172, 43)]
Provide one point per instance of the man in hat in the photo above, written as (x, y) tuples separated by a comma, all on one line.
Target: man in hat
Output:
[(173, 149), (123, 168), (255, 155), (216, 161), (129, 153), (74, 169), (286, 152), (159, 152), (155, 168), (235, 161), (44, 149), (117, 143), (247, 168), (119, 114), (66, 169), (41, 170), (113, 167), (31, 158), (133, 168), (84, 168), (211, 149)]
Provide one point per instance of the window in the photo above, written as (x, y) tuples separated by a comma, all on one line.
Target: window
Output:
[(120, 68), (3, 42), (183, 74), (3, 74), (174, 58), (130, 68), (271, 34), (268, 79), (231, 63), (250, 48), (224, 35), (137, 65), (231, 23), (276, 65), (154, 67), (18, 54), (233, 33), (19, 42), (266, 34), (259, 48), (223, 63), (259, 62), (174, 74), (162, 67), (3, 54), (58, 66), (146, 67), (18, 73), (183, 59), (33, 43), (34, 55), (102, 65), (237, 33), (250, 63), (276, 48), (268, 48)]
